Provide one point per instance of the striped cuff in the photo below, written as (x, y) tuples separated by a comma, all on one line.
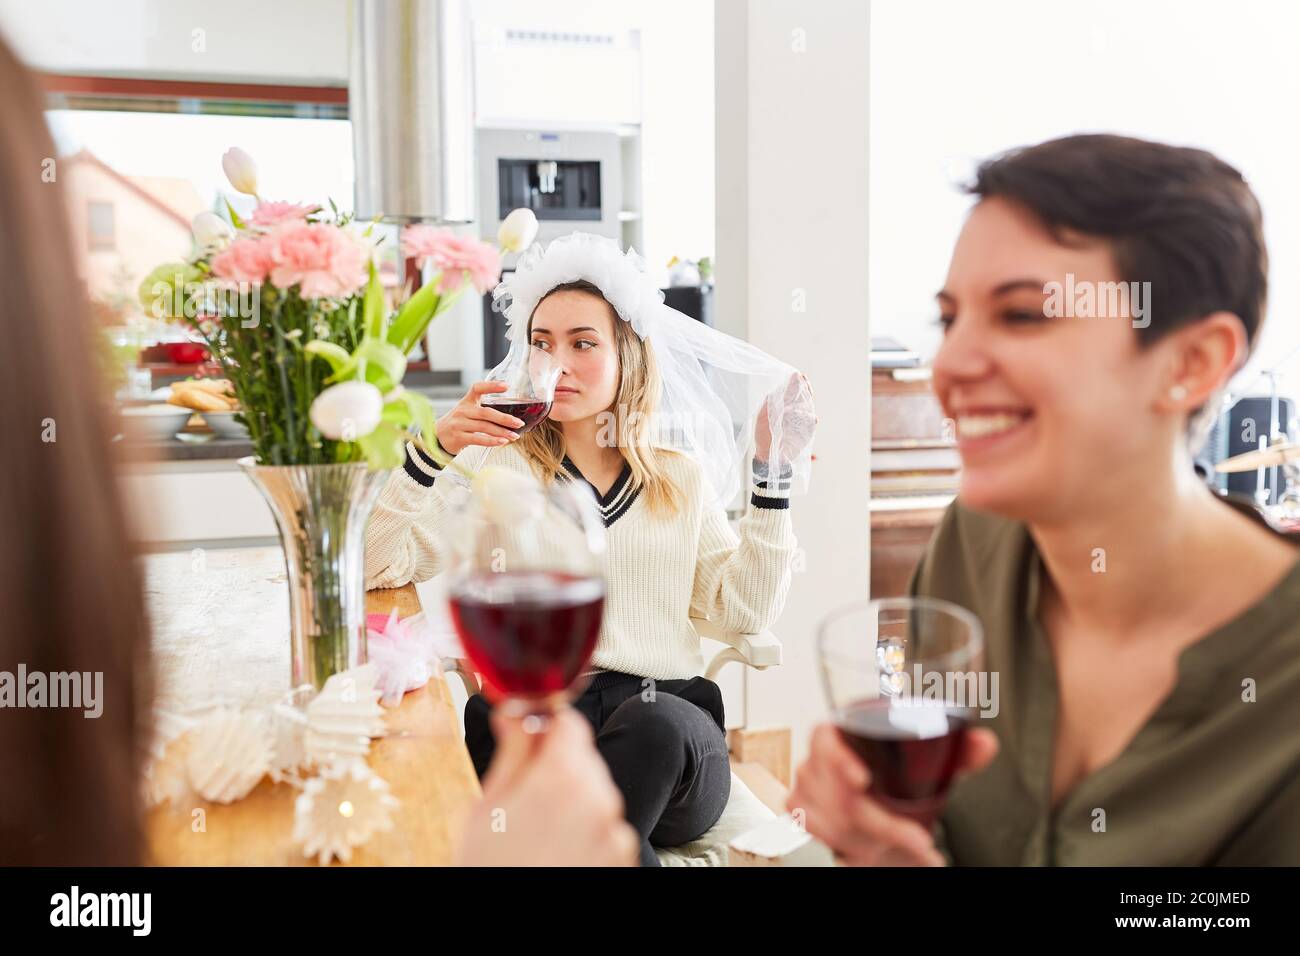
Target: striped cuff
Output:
[(419, 466), (770, 490)]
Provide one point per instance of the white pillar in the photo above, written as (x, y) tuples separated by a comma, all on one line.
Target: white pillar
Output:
[(792, 128)]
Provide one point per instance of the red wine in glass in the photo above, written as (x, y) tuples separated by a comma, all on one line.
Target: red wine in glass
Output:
[(529, 633), (912, 749), (530, 411)]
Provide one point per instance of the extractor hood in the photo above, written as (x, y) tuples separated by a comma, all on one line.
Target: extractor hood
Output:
[(411, 102)]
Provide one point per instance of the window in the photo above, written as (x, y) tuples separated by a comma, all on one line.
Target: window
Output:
[(99, 226), (142, 158)]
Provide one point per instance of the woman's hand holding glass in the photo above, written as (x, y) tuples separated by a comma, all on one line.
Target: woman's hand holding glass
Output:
[(831, 792), (472, 423)]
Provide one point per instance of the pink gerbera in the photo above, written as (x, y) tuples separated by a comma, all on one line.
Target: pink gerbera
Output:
[(453, 256), (247, 259), (268, 214), (321, 259)]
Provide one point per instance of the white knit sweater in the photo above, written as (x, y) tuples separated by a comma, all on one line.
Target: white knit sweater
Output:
[(660, 570)]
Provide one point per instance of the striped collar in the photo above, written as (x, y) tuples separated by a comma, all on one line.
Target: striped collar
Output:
[(614, 503)]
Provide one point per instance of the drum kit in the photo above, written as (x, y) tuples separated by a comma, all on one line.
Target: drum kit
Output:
[(1277, 450)]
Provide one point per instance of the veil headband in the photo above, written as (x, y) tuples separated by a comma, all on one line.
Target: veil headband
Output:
[(714, 385)]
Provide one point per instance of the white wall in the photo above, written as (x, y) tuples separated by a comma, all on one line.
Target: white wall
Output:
[(953, 82), (676, 106), (791, 168)]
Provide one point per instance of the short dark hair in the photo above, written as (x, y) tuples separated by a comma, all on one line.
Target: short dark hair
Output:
[(1177, 217)]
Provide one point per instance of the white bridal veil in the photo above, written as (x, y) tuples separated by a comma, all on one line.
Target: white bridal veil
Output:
[(714, 385)]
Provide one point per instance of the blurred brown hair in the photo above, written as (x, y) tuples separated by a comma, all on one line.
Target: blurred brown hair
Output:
[(70, 595)]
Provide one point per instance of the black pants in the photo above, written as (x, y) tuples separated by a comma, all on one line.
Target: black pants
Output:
[(664, 743)]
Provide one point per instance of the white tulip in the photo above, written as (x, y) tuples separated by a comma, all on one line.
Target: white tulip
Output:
[(240, 170), (211, 231), (347, 411), (518, 230)]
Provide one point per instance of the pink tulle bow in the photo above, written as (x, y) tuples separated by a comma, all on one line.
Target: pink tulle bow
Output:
[(403, 651)]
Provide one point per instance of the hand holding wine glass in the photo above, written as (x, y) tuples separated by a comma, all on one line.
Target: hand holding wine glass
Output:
[(472, 423), (905, 681), (832, 791), (511, 402)]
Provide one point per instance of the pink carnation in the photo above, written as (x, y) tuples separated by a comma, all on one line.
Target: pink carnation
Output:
[(323, 260), (247, 259), (275, 213), (453, 255)]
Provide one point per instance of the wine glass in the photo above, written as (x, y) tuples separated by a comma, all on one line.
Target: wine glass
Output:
[(904, 680), (526, 586), (530, 377)]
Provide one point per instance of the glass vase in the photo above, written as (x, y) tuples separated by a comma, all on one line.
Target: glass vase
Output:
[(321, 513)]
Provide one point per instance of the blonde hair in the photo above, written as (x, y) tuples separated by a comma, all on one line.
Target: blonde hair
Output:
[(637, 399)]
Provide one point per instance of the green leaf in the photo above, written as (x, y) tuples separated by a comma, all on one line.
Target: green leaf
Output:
[(423, 417), (414, 317), (351, 325), (385, 363), (234, 216), (158, 294), (336, 355), (412, 408), (372, 308), (385, 447)]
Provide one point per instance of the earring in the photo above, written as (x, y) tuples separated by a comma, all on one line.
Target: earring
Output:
[(1178, 392)]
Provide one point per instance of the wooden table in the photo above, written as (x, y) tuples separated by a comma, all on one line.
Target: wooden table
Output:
[(245, 658)]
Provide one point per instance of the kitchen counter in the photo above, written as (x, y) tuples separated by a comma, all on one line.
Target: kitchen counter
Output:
[(187, 493), (202, 446), (196, 447)]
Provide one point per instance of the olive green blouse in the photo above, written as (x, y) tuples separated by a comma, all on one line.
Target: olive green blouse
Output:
[(1213, 778)]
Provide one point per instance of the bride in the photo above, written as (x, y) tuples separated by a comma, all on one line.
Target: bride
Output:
[(664, 418)]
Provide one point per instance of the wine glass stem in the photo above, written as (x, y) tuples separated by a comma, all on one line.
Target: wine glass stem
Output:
[(536, 714)]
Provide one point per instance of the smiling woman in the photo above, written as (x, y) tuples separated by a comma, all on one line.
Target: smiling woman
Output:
[(1135, 615), (1042, 400)]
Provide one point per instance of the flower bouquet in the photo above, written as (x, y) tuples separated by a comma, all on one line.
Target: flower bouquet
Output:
[(289, 302)]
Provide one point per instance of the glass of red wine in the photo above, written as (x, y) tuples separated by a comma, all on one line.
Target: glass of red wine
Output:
[(530, 378), (903, 680), (527, 589)]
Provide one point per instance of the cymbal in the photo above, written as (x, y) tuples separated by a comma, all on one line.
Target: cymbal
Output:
[(1278, 454)]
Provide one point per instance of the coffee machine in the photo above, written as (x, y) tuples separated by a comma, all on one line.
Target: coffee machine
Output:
[(570, 178)]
